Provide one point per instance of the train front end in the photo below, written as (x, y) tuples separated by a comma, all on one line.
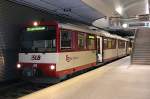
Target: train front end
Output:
[(38, 53)]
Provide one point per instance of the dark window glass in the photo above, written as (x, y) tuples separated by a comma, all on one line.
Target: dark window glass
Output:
[(81, 41), (39, 40), (113, 44), (91, 42), (121, 44), (66, 37), (105, 43), (109, 44)]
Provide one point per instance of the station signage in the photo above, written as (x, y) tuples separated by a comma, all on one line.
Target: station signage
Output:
[(144, 17), (91, 37), (38, 28), (1, 60)]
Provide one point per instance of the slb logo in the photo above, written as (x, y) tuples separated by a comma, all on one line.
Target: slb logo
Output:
[(68, 59), (36, 57)]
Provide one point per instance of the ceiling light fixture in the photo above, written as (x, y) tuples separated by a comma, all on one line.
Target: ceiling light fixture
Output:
[(147, 7), (124, 25), (35, 23), (119, 10)]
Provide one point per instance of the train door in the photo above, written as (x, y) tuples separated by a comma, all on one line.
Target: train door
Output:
[(117, 48), (99, 49), (126, 47)]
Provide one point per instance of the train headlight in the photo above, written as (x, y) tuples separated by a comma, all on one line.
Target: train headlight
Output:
[(52, 67), (130, 48), (18, 66), (35, 23)]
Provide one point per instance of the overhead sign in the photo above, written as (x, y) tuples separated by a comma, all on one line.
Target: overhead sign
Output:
[(91, 37), (39, 28), (137, 25), (145, 17), (1, 60)]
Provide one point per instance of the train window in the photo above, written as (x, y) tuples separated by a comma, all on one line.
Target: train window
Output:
[(1, 59), (39, 40), (91, 42), (121, 44), (81, 41), (105, 43), (66, 37), (109, 44), (40, 44), (113, 44), (127, 44)]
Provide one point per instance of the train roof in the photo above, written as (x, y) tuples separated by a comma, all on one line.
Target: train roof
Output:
[(89, 29), (107, 34), (77, 27)]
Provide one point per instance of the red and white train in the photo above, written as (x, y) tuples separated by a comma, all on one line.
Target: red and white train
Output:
[(55, 50)]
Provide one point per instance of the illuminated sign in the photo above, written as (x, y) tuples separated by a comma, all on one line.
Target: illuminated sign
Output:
[(144, 17), (91, 37), (1, 60), (39, 28)]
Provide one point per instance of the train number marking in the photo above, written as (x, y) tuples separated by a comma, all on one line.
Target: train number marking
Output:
[(36, 57)]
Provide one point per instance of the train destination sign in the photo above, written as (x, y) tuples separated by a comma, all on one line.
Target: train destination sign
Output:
[(1, 60), (39, 28), (91, 37)]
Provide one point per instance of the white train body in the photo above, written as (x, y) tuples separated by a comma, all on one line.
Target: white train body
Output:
[(62, 58)]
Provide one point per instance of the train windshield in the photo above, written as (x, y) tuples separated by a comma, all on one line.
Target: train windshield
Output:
[(39, 39)]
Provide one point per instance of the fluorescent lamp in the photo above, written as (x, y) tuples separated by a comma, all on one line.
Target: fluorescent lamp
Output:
[(125, 25), (119, 10), (147, 7)]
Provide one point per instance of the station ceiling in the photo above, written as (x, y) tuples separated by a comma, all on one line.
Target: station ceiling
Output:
[(74, 9), (129, 8), (88, 11)]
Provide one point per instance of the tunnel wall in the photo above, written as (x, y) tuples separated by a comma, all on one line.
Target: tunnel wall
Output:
[(12, 17)]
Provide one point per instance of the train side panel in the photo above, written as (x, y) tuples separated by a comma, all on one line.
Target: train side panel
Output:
[(110, 54), (33, 57), (121, 52), (74, 61)]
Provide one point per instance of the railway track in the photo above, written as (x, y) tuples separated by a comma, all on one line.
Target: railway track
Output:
[(16, 90), (20, 89)]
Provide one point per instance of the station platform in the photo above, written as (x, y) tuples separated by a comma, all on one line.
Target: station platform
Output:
[(117, 80)]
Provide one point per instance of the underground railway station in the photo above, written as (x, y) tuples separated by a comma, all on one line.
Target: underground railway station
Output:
[(74, 49)]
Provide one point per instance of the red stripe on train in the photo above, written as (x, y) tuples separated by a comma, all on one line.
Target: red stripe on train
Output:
[(53, 73), (75, 69)]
